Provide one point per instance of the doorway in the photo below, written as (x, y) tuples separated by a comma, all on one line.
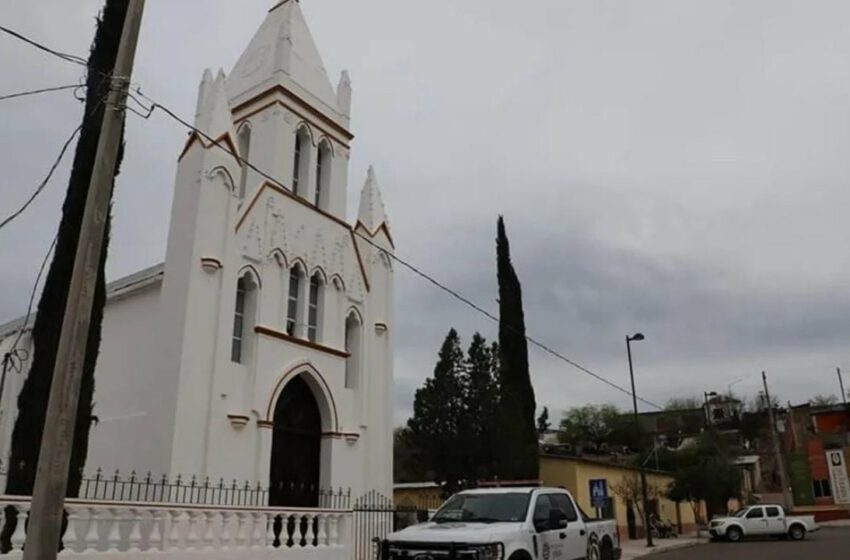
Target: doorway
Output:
[(296, 447)]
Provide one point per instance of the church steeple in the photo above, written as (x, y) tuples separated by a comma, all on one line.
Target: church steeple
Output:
[(283, 53), (372, 214)]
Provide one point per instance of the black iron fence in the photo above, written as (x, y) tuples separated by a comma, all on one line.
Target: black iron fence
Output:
[(198, 491)]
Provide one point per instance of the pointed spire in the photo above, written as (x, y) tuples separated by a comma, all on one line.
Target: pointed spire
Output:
[(283, 52), (372, 213), (343, 94), (203, 92), (214, 118)]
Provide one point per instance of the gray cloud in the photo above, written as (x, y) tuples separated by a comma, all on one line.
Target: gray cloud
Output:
[(677, 167)]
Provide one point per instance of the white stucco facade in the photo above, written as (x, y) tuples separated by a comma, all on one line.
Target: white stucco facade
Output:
[(173, 395)]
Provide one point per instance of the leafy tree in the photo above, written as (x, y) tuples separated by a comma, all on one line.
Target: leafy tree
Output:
[(823, 400), (518, 433), (706, 473), (481, 400), (32, 400), (438, 415), (629, 489), (683, 403), (592, 425), (543, 423), (408, 465)]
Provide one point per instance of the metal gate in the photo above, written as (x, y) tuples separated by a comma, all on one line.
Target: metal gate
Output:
[(375, 517)]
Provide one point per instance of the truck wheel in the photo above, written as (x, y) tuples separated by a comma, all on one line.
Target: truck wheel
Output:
[(607, 550), (593, 550), (797, 532), (734, 534)]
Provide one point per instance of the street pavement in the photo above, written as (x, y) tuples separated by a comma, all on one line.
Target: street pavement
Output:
[(830, 543)]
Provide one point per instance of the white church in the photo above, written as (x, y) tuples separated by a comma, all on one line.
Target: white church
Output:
[(261, 349)]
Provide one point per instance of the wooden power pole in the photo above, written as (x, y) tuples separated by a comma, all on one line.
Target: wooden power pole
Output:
[(841, 386), (51, 480), (777, 449)]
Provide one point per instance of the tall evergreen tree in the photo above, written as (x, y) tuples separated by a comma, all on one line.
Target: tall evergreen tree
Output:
[(32, 400), (438, 413), (518, 433), (543, 423)]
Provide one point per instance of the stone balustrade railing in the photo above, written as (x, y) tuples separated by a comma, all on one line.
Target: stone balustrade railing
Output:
[(119, 529)]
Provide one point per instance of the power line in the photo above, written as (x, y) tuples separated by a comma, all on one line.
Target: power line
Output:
[(154, 105), (64, 56), (46, 179), (38, 91)]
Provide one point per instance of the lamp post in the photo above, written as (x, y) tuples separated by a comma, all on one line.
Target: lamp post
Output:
[(638, 337)]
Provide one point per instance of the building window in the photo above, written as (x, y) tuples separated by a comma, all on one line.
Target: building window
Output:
[(822, 488), (244, 154), (323, 166), (314, 308), (243, 312), (299, 164), (352, 347), (292, 307)]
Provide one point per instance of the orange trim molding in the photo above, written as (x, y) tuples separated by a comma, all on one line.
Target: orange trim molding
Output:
[(279, 88), (224, 138), (383, 227), (265, 424), (280, 335)]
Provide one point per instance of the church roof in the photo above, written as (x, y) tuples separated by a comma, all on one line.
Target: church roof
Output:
[(114, 289), (372, 213), (284, 53)]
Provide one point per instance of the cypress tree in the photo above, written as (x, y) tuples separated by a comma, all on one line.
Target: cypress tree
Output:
[(518, 432), (34, 395)]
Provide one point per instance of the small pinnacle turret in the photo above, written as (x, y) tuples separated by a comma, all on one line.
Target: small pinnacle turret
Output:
[(372, 214)]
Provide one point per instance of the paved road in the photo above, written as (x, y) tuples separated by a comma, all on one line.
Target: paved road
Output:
[(830, 543)]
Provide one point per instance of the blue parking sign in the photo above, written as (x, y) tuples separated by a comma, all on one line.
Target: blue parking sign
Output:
[(598, 492)]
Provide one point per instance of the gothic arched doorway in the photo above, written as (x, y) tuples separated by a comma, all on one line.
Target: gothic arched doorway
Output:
[(296, 447)]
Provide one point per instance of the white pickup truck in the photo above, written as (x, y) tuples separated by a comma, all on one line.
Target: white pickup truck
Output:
[(762, 520), (507, 524)]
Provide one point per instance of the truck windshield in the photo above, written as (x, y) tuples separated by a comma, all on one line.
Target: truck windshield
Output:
[(484, 508)]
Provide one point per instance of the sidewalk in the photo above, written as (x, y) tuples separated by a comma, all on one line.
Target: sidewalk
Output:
[(638, 549)]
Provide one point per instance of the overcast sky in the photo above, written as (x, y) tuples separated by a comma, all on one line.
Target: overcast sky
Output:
[(677, 167)]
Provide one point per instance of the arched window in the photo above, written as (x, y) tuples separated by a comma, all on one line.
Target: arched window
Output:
[(292, 300), (352, 347), (323, 173), (314, 308), (299, 165), (243, 315), (244, 139)]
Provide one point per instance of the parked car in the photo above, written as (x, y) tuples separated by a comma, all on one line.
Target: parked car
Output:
[(762, 520), (507, 524)]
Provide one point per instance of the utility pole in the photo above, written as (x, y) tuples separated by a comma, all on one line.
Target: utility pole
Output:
[(841, 384), (777, 450), (51, 481), (644, 494)]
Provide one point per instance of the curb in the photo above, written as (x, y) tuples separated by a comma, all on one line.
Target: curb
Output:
[(677, 546)]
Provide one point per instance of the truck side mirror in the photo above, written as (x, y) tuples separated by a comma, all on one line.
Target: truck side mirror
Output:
[(557, 519)]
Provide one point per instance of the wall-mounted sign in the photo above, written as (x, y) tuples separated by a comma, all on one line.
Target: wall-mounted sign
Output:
[(838, 476)]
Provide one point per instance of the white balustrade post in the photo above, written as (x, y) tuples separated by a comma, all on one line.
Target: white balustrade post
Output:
[(225, 536), (258, 538), (114, 538), (173, 540), (92, 539), (193, 536), (322, 536), (71, 538), (19, 537), (155, 538), (209, 530), (134, 541), (242, 533), (270, 530), (334, 530), (284, 530)]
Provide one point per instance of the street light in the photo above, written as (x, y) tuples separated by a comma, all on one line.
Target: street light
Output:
[(629, 339)]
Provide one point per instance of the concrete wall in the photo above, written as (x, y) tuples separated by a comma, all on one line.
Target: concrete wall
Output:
[(575, 475)]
